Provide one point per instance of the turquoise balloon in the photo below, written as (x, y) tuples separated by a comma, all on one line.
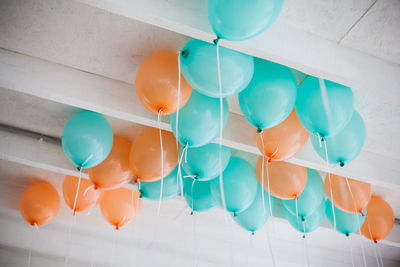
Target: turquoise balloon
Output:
[(239, 183), (242, 19), (311, 222), (254, 217), (198, 194), (346, 223), (311, 109), (311, 197), (203, 162), (344, 146), (199, 120), (171, 187), (270, 96), (199, 67), (87, 139)]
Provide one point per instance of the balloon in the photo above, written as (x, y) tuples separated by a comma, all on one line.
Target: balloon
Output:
[(171, 188), (346, 223), (39, 204), (379, 220), (286, 181), (87, 139), (311, 197), (157, 83), (270, 96), (203, 162), (115, 171), (312, 100), (284, 140), (255, 216), (86, 198), (239, 184), (199, 66), (240, 20), (343, 198), (120, 206), (198, 194), (199, 120), (309, 223), (344, 146), (145, 155)]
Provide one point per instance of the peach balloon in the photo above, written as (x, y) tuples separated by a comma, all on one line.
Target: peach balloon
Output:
[(39, 203), (145, 156), (342, 197), (115, 171), (120, 206), (286, 181), (157, 83), (379, 220), (86, 198), (284, 140)]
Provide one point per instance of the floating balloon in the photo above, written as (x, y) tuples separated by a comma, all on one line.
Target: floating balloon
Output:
[(284, 140), (309, 223), (39, 204), (239, 185), (171, 188), (86, 197), (346, 223), (286, 181), (120, 206), (145, 155), (157, 83), (344, 146), (324, 107), (199, 120), (270, 96), (87, 139), (238, 20), (203, 162), (379, 220), (199, 66), (198, 194), (115, 171), (311, 197), (352, 201)]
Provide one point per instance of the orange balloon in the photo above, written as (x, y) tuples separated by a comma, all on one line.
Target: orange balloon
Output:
[(286, 181), (342, 198), (119, 206), (284, 140), (157, 83), (379, 220), (39, 204), (86, 199), (145, 156), (115, 171)]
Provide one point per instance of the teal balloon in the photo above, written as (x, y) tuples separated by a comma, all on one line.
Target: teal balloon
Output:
[(346, 223), (311, 222), (199, 120), (344, 146), (270, 96), (238, 20), (203, 162), (171, 187), (87, 139), (199, 67), (198, 194), (255, 216), (324, 113), (311, 197), (239, 183)]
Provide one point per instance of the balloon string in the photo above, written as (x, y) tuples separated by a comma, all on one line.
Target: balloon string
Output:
[(162, 162), (269, 192), (297, 211), (262, 174), (370, 235), (351, 255), (194, 180), (35, 230), (72, 222), (305, 244), (179, 173), (113, 249), (379, 254), (79, 183), (178, 100), (194, 235), (87, 190), (270, 247)]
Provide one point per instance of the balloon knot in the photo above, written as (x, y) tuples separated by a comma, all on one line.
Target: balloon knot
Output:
[(322, 138), (185, 53), (96, 187), (304, 236), (117, 227), (191, 213), (269, 159), (234, 214), (296, 197), (259, 130), (140, 194), (34, 223), (215, 41), (135, 181), (347, 234), (375, 241), (302, 218), (341, 163), (362, 213), (79, 168)]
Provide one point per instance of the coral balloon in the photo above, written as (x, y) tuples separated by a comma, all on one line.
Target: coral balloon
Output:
[(145, 155), (157, 83), (39, 204), (286, 181), (284, 140), (120, 206), (86, 198), (115, 170), (379, 220), (343, 198)]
